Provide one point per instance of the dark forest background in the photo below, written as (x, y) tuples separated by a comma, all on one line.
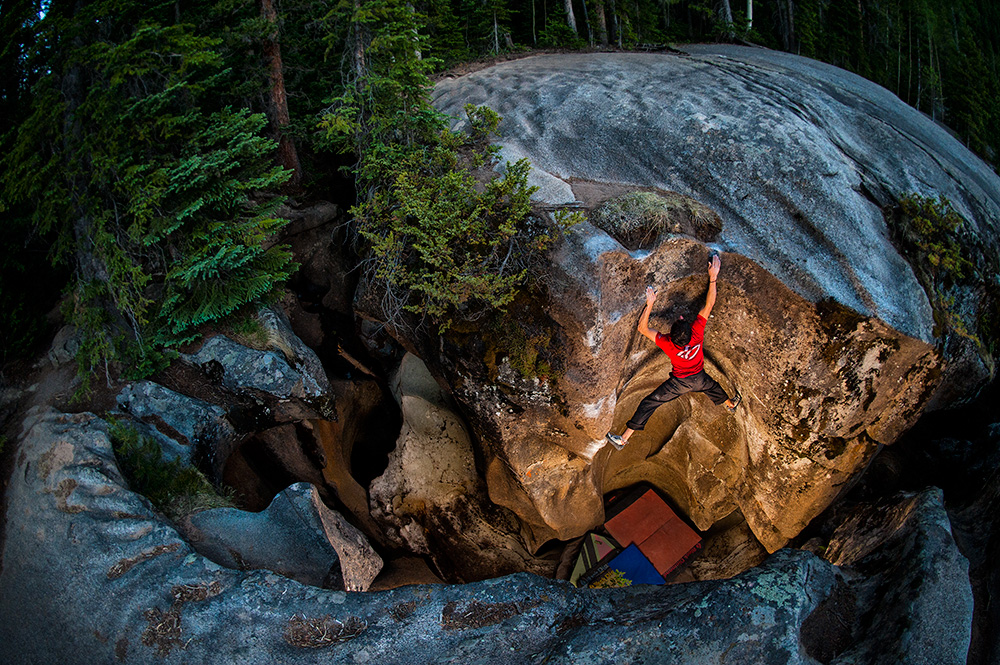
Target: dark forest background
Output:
[(147, 146)]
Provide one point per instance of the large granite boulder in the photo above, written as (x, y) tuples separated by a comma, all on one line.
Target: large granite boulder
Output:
[(90, 574), (822, 323), (296, 536), (432, 501)]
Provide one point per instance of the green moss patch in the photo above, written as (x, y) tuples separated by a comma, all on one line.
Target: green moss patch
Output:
[(639, 219)]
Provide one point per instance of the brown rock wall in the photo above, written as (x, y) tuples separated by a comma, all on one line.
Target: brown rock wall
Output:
[(823, 388)]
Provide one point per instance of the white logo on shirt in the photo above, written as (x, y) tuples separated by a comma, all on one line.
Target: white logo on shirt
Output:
[(689, 352)]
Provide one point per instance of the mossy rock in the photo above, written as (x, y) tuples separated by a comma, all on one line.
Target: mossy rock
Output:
[(639, 219)]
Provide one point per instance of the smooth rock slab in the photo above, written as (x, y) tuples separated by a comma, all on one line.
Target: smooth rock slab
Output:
[(297, 536), (91, 575)]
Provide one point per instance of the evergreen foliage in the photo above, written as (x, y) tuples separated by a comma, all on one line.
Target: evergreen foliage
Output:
[(135, 151), (143, 181), (941, 57), (448, 238)]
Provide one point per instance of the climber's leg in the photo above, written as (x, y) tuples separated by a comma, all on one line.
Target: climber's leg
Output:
[(702, 382), (668, 391)]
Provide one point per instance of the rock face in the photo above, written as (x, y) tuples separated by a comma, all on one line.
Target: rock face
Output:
[(185, 423), (91, 574), (797, 159), (294, 423), (297, 536), (823, 388), (788, 151), (926, 600), (432, 501)]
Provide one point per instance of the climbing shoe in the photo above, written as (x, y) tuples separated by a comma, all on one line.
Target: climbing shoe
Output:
[(737, 398), (616, 441)]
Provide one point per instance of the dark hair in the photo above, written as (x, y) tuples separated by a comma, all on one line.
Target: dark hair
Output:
[(680, 332)]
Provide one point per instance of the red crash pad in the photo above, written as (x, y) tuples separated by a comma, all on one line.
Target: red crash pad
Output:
[(665, 539)]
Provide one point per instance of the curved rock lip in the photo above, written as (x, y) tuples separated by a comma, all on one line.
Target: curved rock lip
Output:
[(797, 157)]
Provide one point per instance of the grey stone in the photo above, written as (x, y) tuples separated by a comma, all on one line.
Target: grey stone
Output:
[(64, 346), (913, 591), (92, 575), (287, 370), (304, 360), (296, 536), (243, 367), (182, 424)]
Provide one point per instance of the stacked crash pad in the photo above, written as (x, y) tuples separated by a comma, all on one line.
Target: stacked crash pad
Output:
[(645, 542)]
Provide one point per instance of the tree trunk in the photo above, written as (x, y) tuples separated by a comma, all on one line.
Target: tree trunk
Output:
[(590, 30), (496, 34), (602, 24), (570, 18), (616, 34), (278, 111), (749, 14), (909, 57), (534, 34), (89, 267), (727, 18), (638, 24), (786, 24)]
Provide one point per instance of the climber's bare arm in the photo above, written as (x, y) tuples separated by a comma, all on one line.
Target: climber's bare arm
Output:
[(643, 327), (714, 265)]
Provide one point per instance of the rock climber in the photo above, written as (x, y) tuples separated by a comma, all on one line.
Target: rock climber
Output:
[(684, 346)]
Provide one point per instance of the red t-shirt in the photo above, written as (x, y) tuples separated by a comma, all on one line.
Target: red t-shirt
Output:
[(690, 359)]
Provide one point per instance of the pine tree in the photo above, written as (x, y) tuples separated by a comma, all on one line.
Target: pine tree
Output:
[(446, 237), (147, 187)]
